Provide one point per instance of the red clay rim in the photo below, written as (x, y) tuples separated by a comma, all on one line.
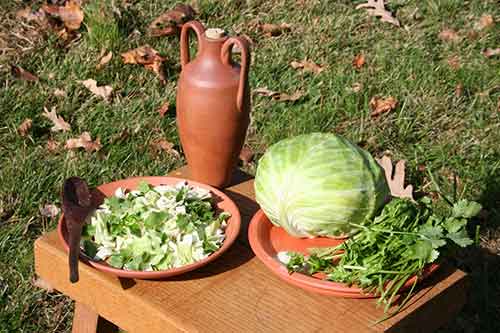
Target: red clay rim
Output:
[(258, 242), (232, 229)]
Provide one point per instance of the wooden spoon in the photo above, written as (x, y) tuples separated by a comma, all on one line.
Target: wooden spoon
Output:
[(77, 204)]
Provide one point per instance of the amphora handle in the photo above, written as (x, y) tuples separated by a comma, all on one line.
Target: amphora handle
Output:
[(199, 30), (245, 64)]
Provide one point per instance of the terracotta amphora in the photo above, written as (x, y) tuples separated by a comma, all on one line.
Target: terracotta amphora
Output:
[(213, 104)]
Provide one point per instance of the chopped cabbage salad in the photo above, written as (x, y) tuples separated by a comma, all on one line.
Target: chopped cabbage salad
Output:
[(155, 228)]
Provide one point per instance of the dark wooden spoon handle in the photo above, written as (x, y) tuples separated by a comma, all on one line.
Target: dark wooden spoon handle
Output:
[(76, 206), (75, 233)]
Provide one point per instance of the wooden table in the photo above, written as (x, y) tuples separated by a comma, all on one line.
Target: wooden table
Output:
[(236, 293)]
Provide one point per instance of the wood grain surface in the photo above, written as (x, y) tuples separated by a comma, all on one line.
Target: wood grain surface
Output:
[(237, 293)]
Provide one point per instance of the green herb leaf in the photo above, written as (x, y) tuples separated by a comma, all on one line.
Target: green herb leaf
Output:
[(90, 248), (143, 187), (460, 238), (155, 219), (465, 208), (421, 250), (452, 224)]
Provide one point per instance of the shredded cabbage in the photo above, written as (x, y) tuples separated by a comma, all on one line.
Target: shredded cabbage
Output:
[(155, 228)]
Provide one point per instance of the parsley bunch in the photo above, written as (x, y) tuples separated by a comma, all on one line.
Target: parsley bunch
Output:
[(397, 245)]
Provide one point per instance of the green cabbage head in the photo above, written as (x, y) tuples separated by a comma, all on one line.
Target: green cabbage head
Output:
[(316, 184)]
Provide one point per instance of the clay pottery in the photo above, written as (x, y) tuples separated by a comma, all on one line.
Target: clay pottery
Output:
[(213, 104), (222, 203)]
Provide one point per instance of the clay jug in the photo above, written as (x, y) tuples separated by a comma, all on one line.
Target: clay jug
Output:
[(213, 104)]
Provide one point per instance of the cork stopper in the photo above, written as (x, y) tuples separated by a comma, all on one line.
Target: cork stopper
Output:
[(215, 33)]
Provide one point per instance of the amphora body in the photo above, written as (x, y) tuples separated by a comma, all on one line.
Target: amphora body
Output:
[(213, 104)]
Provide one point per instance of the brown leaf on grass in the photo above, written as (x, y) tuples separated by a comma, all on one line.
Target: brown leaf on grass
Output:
[(59, 92), (488, 53), (159, 145), (146, 56), (52, 145), (164, 109), (246, 155), (356, 87), (25, 127), (486, 21), (70, 14), (49, 210), (449, 35), (170, 22), (273, 30), (84, 141), (58, 121), (377, 8), (381, 105), (454, 62), (279, 96), (396, 183), (307, 66), (41, 283), (102, 91), (23, 74), (282, 97), (29, 15), (459, 90), (104, 60), (358, 61)]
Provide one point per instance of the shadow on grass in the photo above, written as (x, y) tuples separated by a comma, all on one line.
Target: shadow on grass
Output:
[(482, 310)]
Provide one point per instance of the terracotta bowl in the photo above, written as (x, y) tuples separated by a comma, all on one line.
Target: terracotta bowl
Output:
[(267, 240), (222, 201)]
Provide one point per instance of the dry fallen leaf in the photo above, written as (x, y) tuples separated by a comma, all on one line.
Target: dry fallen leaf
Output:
[(396, 183), (382, 105), (449, 35), (52, 145), (25, 127), (356, 87), (459, 90), (146, 56), (160, 145), (377, 8), (104, 60), (454, 62), (163, 109), (246, 155), (84, 141), (49, 210), (498, 105), (278, 96), (170, 22), (488, 53), (58, 121), (273, 30), (282, 97), (29, 15), (41, 283), (59, 92), (23, 74), (307, 66), (70, 14), (484, 22), (358, 61), (102, 91)]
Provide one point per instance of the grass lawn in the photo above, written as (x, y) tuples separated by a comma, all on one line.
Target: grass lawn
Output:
[(447, 119)]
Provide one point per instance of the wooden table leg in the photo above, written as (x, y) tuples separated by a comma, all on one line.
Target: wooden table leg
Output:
[(85, 320)]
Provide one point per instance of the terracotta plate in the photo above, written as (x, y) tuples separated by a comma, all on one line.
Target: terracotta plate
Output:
[(223, 203), (267, 240)]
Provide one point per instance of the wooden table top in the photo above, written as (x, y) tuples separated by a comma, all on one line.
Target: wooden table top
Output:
[(237, 293)]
